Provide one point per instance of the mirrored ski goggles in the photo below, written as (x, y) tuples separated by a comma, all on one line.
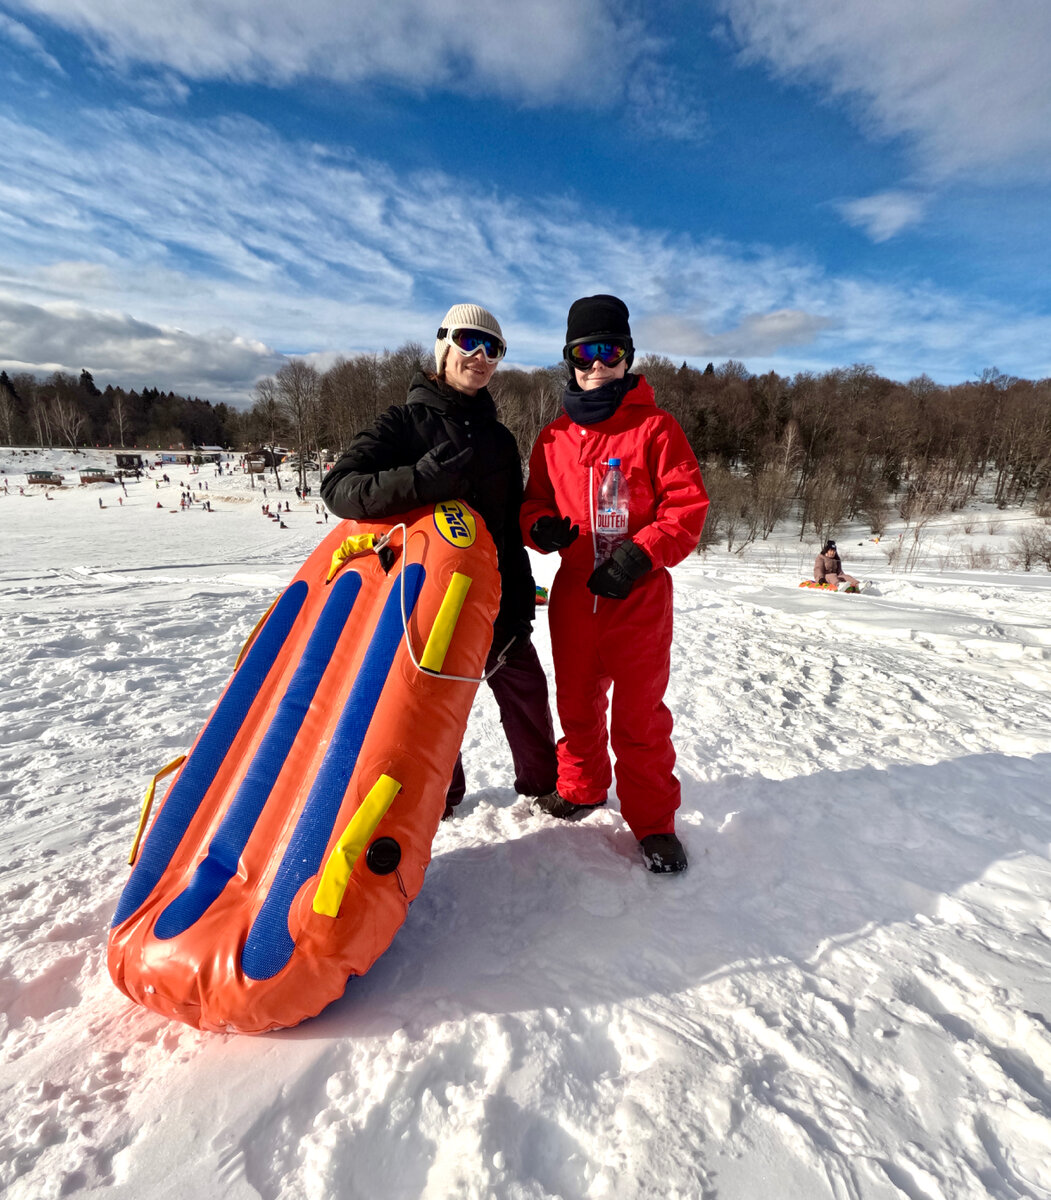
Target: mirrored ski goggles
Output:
[(585, 354), (470, 341)]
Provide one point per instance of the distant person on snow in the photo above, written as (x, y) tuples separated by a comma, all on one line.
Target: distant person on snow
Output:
[(611, 617), (829, 570), (446, 443)]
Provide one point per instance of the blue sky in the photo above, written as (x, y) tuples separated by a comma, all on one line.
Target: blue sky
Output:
[(191, 190)]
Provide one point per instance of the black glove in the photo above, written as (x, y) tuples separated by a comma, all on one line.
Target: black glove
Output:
[(553, 533), (615, 577), (440, 474)]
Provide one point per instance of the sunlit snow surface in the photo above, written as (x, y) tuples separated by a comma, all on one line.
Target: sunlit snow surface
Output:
[(848, 995)]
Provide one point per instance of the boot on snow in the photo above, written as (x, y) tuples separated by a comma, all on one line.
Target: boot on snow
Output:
[(663, 853), (555, 806)]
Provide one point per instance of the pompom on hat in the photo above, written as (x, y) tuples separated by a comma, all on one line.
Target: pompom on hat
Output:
[(464, 316), (596, 317)]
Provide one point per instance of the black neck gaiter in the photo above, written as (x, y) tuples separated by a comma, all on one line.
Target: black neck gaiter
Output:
[(588, 408)]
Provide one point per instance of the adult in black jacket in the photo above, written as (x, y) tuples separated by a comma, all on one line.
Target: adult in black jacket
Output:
[(446, 443)]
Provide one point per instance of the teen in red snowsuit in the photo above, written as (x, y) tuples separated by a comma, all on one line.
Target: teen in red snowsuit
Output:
[(597, 640)]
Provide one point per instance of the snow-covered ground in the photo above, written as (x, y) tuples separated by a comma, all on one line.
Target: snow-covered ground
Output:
[(848, 994)]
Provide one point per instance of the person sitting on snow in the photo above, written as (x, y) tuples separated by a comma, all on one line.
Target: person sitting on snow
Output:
[(829, 570)]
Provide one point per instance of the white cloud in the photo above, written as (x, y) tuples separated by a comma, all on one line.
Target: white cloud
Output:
[(661, 105), (190, 255), (539, 50), (758, 335), (968, 80), (885, 214), (121, 349), (25, 39)]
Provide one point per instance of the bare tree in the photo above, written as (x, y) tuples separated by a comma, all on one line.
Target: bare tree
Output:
[(298, 391), (8, 410), (1032, 545), (771, 497), (69, 418), (729, 509), (527, 401), (396, 370), (267, 421), (826, 504), (120, 413), (37, 407), (349, 399)]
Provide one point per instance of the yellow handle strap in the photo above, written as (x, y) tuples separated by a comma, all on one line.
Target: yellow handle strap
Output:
[(147, 804), (362, 825), (355, 544)]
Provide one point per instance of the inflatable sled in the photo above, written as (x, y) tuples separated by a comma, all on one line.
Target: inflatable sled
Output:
[(827, 587), (299, 826)]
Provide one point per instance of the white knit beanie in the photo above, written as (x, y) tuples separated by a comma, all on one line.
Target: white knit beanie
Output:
[(464, 316)]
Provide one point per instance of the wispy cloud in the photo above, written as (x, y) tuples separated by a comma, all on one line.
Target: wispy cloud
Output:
[(192, 254), (661, 104), (885, 214), (758, 335), (966, 80), (530, 50), (25, 39)]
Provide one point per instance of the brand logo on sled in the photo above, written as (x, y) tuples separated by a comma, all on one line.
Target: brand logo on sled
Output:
[(455, 523)]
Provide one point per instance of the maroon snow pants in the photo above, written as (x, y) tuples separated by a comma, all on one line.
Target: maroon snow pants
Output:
[(520, 690)]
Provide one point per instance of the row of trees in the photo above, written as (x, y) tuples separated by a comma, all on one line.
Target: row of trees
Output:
[(832, 446), (62, 410)]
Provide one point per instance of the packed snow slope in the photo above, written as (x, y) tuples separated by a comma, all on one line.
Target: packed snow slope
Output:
[(848, 994)]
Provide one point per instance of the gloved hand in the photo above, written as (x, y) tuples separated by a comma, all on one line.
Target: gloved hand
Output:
[(440, 473), (615, 577), (553, 533)]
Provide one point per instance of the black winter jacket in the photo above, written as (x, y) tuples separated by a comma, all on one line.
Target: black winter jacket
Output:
[(376, 478)]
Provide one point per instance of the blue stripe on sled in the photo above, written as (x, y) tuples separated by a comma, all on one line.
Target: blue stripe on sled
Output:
[(199, 770), (232, 835), (269, 945)]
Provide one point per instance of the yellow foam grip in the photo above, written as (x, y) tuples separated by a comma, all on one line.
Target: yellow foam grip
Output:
[(355, 544), (336, 875), (445, 623), (147, 804)]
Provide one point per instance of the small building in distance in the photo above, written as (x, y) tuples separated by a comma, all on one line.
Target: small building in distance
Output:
[(96, 475), (129, 462), (46, 478)]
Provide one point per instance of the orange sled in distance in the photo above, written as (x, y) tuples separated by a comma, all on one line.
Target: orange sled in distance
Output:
[(299, 827)]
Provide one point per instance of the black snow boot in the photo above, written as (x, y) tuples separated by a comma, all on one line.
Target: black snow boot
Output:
[(663, 853), (554, 805)]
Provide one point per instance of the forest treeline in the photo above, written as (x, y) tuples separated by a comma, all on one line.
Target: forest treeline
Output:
[(826, 447)]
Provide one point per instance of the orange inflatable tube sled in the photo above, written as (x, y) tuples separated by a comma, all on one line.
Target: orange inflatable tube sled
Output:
[(299, 826), (825, 587)]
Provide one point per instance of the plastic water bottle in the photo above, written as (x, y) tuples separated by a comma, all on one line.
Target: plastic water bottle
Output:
[(611, 517)]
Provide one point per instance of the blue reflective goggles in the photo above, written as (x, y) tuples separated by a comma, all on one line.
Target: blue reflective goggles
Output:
[(470, 341)]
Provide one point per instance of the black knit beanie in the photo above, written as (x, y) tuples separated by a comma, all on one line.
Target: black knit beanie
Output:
[(594, 315)]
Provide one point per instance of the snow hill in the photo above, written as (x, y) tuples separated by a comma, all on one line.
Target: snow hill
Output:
[(848, 995)]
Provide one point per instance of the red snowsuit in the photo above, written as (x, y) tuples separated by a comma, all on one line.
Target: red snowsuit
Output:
[(596, 641)]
